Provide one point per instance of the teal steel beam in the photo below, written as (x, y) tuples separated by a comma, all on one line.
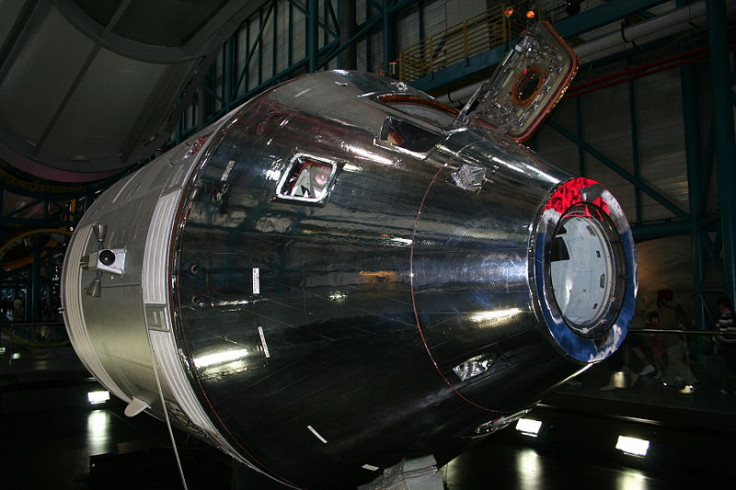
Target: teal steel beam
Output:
[(282, 75), (245, 74), (275, 41), (261, 27), (658, 230), (33, 304), (312, 33), (392, 7), (368, 40), (722, 95), (229, 64), (300, 8), (3, 229), (364, 31), (333, 16), (290, 33), (636, 166), (694, 155), (251, 50), (602, 15), (324, 21), (347, 24), (653, 193), (305, 11), (708, 162), (206, 87), (314, 59), (420, 16), (581, 134), (714, 250), (389, 33)]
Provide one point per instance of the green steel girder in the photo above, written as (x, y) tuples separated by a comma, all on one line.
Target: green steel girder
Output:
[(304, 9), (658, 230), (389, 32), (694, 156), (333, 16), (312, 35), (382, 16), (602, 15), (459, 71), (646, 188), (722, 95), (385, 13), (635, 161)]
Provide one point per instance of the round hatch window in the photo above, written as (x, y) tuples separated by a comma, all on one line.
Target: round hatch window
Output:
[(586, 265)]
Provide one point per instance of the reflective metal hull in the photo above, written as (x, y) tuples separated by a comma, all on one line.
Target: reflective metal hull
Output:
[(331, 279)]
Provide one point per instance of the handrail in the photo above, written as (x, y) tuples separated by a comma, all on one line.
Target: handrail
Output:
[(8, 329), (682, 332), (458, 42)]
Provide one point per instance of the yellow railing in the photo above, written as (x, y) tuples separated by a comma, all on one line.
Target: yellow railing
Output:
[(456, 43)]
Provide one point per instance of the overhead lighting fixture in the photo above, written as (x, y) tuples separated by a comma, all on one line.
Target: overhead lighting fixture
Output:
[(529, 427), (508, 12), (98, 397), (632, 445), (530, 14)]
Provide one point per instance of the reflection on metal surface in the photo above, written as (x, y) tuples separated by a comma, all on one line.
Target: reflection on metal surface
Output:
[(482, 364), (317, 434), (488, 318), (229, 362), (499, 423), (307, 179), (298, 271), (222, 357), (264, 345), (470, 177)]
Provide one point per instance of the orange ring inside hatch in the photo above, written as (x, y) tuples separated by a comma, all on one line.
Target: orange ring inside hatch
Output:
[(531, 77)]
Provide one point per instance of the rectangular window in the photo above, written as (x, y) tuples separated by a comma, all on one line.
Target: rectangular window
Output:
[(307, 180)]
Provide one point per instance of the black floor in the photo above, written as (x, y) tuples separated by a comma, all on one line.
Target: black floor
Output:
[(52, 439)]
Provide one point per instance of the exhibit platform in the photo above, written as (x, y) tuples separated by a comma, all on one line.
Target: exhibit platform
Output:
[(53, 438)]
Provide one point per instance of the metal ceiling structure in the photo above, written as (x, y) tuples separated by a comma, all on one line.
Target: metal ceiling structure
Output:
[(87, 92)]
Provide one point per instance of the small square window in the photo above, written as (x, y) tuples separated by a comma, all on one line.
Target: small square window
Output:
[(307, 180)]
